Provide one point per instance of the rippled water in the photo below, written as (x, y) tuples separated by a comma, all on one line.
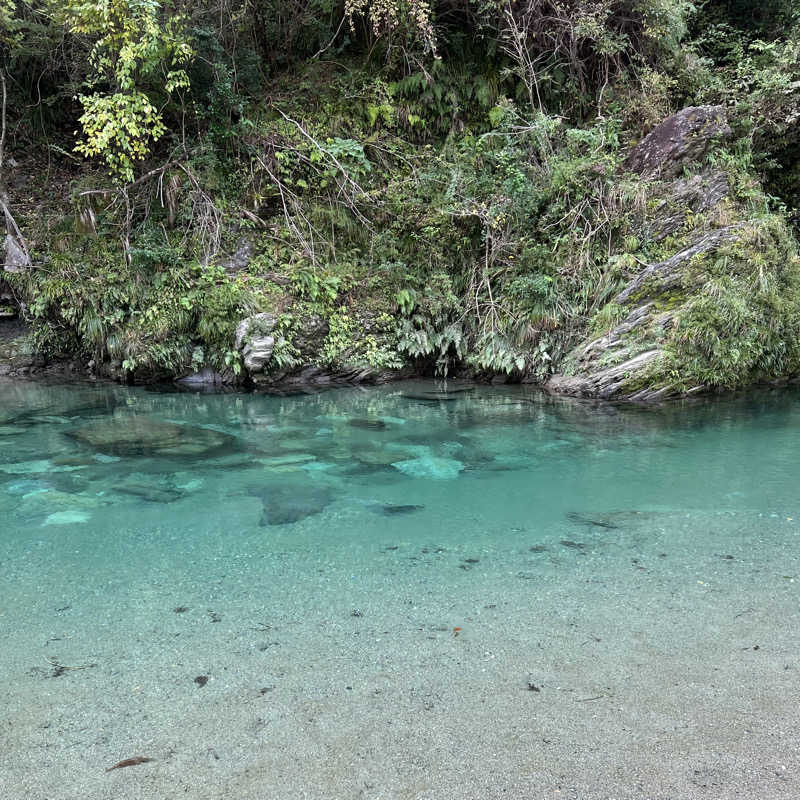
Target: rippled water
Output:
[(157, 547)]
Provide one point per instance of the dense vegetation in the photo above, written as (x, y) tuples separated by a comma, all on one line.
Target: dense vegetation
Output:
[(442, 183)]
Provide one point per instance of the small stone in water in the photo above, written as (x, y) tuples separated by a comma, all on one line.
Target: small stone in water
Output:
[(66, 517), (370, 424), (391, 510), (573, 545), (583, 519), (102, 458)]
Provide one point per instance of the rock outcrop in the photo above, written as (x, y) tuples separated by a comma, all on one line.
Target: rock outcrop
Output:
[(254, 340), (694, 195), (678, 141), (669, 274), (705, 314)]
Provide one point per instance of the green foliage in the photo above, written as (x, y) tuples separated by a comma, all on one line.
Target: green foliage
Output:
[(90, 302), (134, 41), (357, 342), (743, 325), (285, 355), (118, 128), (432, 102), (606, 318), (10, 24), (445, 185), (756, 54), (429, 328), (315, 286), (723, 29), (525, 215)]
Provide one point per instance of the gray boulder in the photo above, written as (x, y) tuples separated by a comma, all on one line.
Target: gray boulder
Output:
[(696, 194), (626, 360), (289, 503), (611, 382), (254, 340), (683, 138), (643, 353), (240, 259)]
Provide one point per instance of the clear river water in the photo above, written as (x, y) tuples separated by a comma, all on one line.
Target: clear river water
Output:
[(412, 591)]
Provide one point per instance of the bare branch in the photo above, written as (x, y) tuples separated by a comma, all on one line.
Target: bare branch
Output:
[(13, 233)]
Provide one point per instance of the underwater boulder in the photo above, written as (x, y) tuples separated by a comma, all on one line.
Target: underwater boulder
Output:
[(430, 467), (290, 503), (144, 436), (151, 492), (367, 424), (291, 462)]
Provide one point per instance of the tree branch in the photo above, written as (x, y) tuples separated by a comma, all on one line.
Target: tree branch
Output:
[(12, 229)]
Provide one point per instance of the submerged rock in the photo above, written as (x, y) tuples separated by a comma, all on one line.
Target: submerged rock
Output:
[(288, 462), (70, 517), (368, 424), (375, 458), (392, 510), (71, 461), (27, 487), (290, 503), (35, 467), (593, 521), (143, 436), (10, 430), (52, 499), (150, 492), (430, 467), (435, 396)]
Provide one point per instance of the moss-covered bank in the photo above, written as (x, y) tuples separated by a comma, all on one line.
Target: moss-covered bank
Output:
[(580, 206)]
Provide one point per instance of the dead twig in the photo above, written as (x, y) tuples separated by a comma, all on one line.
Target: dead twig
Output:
[(59, 669)]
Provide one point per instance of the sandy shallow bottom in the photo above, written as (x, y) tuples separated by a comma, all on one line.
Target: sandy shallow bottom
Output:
[(656, 659)]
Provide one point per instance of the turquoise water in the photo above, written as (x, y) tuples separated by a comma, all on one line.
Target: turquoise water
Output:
[(233, 584)]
